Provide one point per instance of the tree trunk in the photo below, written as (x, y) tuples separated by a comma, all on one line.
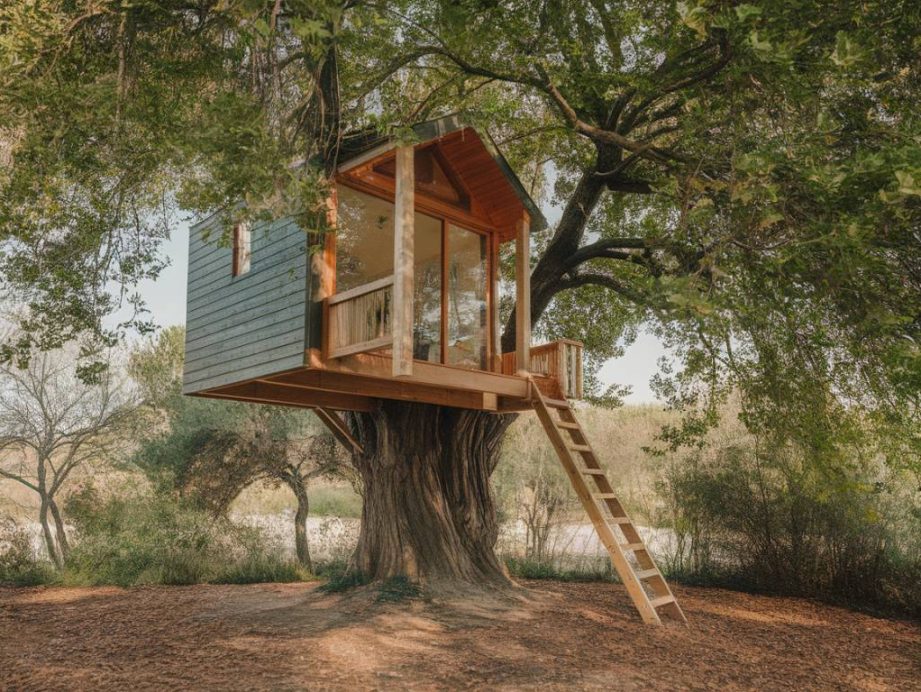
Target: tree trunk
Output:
[(63, 545), (428, 511), (48, 536), (301, 545)]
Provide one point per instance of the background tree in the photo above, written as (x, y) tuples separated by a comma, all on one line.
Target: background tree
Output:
[(211, 451), (52, 424)]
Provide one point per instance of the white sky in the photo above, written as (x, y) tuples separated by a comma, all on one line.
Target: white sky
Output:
[(165, 298)]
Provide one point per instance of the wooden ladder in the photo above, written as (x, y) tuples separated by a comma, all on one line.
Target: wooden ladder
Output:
[(645, 584)]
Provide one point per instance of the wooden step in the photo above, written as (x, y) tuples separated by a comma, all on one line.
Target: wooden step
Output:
[(567, 425), (605, 496), (620, 520), (580, 448), (593, 472), (556, 403), (661, 601), (632, 546), (647, 573)]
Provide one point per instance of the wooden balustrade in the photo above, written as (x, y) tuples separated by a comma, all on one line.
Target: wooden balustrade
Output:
[(360, 319), (559, 360)]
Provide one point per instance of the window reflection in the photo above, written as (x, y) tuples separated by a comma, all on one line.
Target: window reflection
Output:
[(467, 317)]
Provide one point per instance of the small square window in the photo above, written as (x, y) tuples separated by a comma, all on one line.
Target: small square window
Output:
[(242, 250)]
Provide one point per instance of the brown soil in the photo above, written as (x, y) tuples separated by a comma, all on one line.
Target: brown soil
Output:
[(561, 636)]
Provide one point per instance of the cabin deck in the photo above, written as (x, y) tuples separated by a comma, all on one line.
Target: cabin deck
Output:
[(355, 382)]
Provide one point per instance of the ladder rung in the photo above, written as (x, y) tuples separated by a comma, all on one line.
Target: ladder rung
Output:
[(632, 546), (580, 448), (605, 496), (661, 601), (593, 472), (621, 520), (556, 403), (647, 573), (569, 426)]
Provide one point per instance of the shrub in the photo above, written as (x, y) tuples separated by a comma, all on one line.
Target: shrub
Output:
[(155, 539), (19, 565)]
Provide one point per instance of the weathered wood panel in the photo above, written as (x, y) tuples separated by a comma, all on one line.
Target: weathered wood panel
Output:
[(251, 325)]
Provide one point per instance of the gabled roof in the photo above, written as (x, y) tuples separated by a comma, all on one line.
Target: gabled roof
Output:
[(484, 171)]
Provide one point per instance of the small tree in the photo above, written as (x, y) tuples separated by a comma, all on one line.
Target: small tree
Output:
[(213, 450), (51, 423)]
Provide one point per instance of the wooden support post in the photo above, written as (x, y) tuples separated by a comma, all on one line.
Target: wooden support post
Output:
[(403, 261), (495, 329), (324, 264), (523, 297)]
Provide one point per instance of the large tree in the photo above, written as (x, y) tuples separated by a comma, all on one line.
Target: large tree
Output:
[(742, 178)]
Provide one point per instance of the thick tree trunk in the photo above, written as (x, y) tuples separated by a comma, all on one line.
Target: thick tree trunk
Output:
[(301, 545), (428, 509)]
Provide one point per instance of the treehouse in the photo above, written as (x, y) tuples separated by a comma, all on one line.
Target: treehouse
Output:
[(401, 301)]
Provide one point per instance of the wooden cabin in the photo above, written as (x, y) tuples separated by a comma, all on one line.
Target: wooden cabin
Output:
[(400, 302)]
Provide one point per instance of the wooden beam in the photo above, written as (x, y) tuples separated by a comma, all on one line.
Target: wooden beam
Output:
[(404, 389), (339, 429), (523, 290), (403, 262), (266, 392)]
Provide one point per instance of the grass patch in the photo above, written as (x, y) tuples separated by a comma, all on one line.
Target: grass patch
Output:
[(397, 589), (335, 501), (533, 569), (262, 570)]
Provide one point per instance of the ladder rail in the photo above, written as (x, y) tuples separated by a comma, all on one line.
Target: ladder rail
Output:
[(604, 497)]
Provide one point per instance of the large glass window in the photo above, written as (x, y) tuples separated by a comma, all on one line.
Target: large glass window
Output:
[(364, 239), (466, 288), (427, 289), (364, 253)]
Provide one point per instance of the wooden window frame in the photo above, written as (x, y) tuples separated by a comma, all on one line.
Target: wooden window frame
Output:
[(447, 214)]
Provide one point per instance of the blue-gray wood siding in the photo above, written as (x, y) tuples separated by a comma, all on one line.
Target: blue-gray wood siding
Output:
[(252, 325)]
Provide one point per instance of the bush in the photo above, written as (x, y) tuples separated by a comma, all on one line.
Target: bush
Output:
[(335, 501), (19, 565), (782, 523), (154, 539)]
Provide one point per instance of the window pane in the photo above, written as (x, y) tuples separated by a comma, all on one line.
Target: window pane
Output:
[(467, 315), (364, 239), (427, 289)]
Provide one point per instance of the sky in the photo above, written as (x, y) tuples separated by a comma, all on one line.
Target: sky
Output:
[(165, 298)]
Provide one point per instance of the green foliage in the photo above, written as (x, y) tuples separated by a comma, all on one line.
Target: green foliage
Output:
[(135, 539), (764, 517), (398, 589), (19, 566), (340, 578), (557, 570)]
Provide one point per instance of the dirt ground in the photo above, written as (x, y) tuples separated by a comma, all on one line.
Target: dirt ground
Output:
[(563, 636)]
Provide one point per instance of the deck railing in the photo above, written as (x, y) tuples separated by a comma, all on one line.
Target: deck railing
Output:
[(559, 360), (359, 319)]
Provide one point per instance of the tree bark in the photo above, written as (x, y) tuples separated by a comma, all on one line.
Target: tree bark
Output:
[(60, 532), (48, 536), (301, 544), (428, 511)]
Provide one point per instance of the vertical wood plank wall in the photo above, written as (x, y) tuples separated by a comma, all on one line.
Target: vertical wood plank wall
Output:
[(239, 327)]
